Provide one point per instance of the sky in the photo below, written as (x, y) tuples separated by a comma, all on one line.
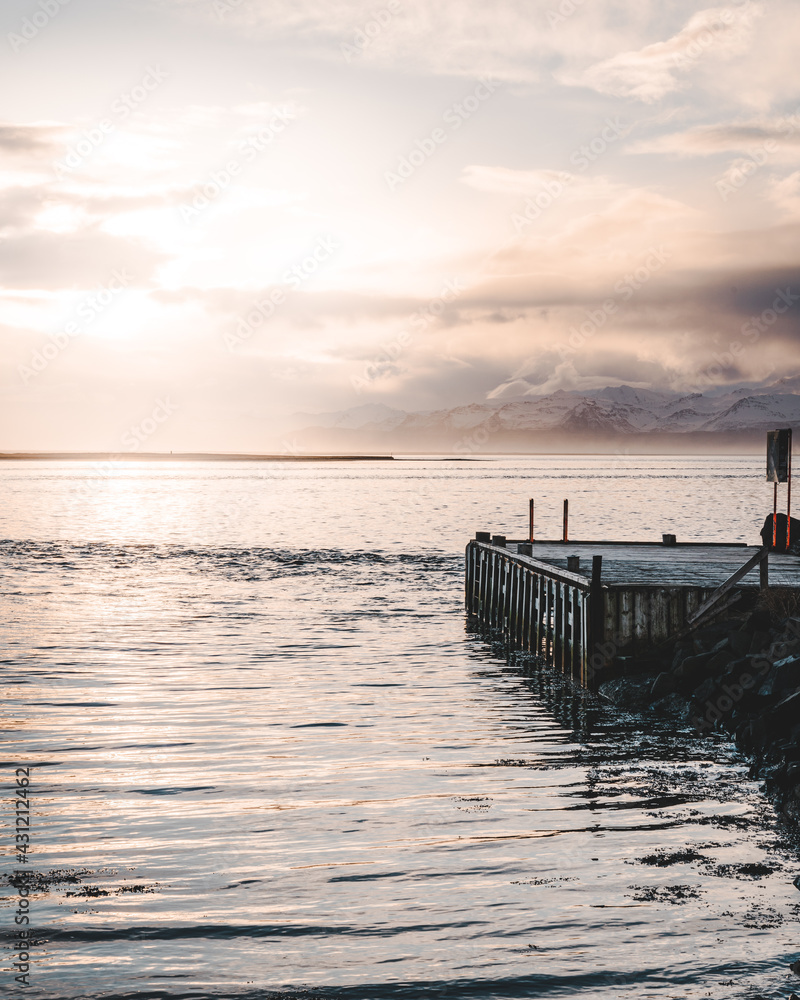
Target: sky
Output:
[(217, 213)]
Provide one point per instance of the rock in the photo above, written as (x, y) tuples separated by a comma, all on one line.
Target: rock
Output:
[(759, 621), (759, 642), (706, 691), (719, 661), (663, 685), (744, 735), (789, 749), (758, 733), (791, 810), (743, 678), (744, 665), (773, 777), (682, 650), (740, 643), (767, 689), (790, 643), (672, 704), (784, 715), (627, 692), (693, 666), (786, 673)]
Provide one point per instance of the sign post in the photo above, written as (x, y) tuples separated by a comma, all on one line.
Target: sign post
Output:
[(779, 470)]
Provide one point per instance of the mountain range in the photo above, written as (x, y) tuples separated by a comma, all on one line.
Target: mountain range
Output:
[(565, 420)]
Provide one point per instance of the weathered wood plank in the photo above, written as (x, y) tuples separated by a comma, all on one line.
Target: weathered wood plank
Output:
[(692, 565), (641, 615), (659, 615), (625, 630)]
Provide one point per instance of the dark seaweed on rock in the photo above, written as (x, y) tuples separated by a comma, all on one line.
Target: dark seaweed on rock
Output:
[(742, 871), (662, 859), (663, 893), (44, 881), (94, 890)]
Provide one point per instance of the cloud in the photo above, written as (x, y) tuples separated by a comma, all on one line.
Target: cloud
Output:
[(566, 377), (514, 40), (83, 259), (785, 195), (657, 69), (32, 139), (504, 180), (542, 189), (706, 140), (451, 37)]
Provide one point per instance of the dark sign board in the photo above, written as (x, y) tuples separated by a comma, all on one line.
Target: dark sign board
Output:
[(779, 455)]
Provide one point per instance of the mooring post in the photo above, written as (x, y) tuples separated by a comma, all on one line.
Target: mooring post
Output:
[(530, 520), (566, 521)]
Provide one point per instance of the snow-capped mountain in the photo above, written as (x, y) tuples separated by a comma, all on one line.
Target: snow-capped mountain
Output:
[(561, 417)]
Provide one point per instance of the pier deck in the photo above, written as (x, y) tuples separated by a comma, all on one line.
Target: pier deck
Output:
[(642, 564), (582, 604)]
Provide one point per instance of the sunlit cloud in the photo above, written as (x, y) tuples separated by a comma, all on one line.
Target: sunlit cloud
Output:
[(707, 140), (663, 67), (632, 173)]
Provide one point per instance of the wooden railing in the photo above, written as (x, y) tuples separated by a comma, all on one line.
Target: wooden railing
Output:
[(551, 612)]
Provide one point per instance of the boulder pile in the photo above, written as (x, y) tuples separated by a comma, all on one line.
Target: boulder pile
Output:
[(741, 675)]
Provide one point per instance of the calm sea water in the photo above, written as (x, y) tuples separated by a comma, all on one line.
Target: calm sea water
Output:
[(268, 753)]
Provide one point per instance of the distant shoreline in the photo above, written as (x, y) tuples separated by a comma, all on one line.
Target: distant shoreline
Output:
[(157, 456), (410, 456)]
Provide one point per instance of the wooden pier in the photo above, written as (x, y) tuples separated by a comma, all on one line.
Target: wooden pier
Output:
[(582, 604)]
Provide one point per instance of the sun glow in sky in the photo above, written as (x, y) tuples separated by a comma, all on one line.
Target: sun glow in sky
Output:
[(250, 208)]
